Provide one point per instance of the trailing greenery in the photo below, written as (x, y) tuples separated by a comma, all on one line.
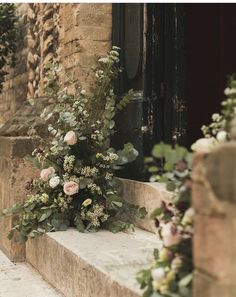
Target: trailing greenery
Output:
[(171, 272), (8, 34), (77, 186)]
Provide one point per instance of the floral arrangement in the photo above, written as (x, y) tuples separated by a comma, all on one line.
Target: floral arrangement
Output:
[(77, 186), (170, 274)]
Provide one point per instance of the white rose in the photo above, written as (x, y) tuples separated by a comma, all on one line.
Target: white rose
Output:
[(54, 181), (176, 263), (188, 216), (203, 145), (158, 274), (45, 174), (70, 138), (221, 136)]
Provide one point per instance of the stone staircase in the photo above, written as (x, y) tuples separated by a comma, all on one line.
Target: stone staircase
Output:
[(21, 280), (99, 264)]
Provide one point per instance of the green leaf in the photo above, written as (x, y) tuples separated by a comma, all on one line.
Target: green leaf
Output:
[(111, 124), (45, 215), (148, 159), (11, 234), (82, 138), (168, 166), (156, 213), (142, 213), (184, 282), (79, 224), (153, 169), (170, 186), (156, 254), (163, 179)]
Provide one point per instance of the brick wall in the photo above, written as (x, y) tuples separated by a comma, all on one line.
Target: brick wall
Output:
[(214, 200), (84, 30)]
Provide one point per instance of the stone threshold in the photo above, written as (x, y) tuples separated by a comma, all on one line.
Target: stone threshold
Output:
[(99, 264), (21, 280)]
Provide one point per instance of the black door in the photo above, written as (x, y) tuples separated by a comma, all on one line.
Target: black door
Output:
[(210, 31)]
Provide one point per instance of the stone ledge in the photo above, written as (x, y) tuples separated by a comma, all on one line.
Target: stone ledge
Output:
[(99, 264), (145, 194), (20, 280)]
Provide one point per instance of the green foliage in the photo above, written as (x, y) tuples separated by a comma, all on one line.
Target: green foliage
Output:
[(77, 186), (8, 34), (166, 277)]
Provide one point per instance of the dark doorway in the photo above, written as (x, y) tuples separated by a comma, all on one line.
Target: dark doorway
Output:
[(210, 46)]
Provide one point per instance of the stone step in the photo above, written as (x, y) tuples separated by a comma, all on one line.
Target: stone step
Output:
[(21, 280), (145, 194), (99, 264)]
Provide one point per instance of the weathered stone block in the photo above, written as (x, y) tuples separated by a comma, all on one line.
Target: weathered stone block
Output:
[(148, 195), (14, 173), (93, 19), (214, 201), (98, 264), (206, 286)]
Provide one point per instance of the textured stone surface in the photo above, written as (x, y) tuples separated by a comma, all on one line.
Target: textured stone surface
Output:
[(148, 195), (99, 264), (14, 173), (15, 86), (69, 33), (26, 120), (215, 224), (221, 171), (20, 280)]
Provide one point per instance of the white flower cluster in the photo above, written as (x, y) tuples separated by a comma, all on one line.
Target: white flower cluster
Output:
[(94, 188), (88, 171), (62, 202), (97, 135), (68, 163), (110, 157), (96, 214), (108, 176)]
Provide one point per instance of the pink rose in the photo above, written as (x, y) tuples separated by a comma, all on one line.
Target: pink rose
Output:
[(70, 188), (45, 174), (170, 234), (70, 138)]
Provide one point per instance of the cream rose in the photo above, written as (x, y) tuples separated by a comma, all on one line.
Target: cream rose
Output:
[(70, 188), (46, 173), (203, 145), (158, 274), (221, 136), (70, 138), (54, 181), (170, 234)]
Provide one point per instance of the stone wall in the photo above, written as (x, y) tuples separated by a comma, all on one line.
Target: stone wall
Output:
[(15, 87), (14, 174), (71, 34), (214, 200)]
